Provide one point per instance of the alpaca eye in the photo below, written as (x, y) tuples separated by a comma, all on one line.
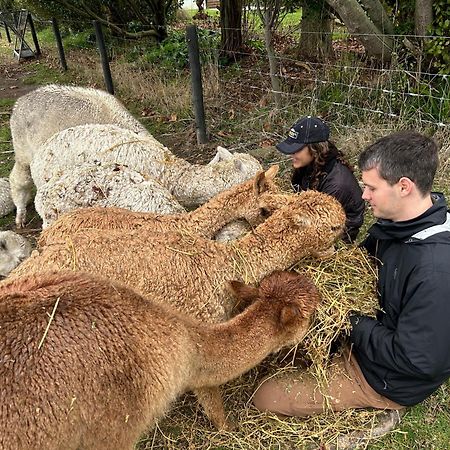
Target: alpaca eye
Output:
[(264, 212), (2, 245)]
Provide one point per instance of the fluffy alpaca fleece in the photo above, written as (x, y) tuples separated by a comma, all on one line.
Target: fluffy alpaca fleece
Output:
[(91, 364), (102, 185), (50, 109), (14, 248), (190, 184), (191, 272), (6, 203), (242, 201), (179, 267)]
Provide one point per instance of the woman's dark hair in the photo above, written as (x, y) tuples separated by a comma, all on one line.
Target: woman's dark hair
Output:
[(322, 153)]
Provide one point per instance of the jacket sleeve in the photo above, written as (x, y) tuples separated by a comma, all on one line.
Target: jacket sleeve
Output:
[(419, 345)]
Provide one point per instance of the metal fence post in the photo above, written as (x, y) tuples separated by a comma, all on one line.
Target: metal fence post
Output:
[(59, 43), (196, 81), (103, 56), (8, 36), (34, 35)]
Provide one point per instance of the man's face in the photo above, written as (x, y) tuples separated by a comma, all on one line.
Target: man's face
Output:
[(383, 198)]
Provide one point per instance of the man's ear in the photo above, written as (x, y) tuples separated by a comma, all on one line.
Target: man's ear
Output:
[(406, 186)]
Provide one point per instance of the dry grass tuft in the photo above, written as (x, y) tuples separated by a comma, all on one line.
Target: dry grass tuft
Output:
[(347, 283)]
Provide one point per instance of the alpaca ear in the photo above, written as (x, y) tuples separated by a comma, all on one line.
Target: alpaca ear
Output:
[(260, 184), (289, 315), (238, 165), (224, 154), (272, 171), (242, 292)]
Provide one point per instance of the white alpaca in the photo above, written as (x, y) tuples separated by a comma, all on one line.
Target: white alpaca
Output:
[(14, 248), (47, 110), (6, 203), (102, 185)]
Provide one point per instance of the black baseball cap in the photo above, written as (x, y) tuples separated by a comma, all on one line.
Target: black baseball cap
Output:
[(306, 131)]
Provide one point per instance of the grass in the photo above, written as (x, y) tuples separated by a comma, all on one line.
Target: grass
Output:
[(239, 113)]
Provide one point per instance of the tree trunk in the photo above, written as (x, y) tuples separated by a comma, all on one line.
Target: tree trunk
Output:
[(275, 81), (377, 45), (378, 15), (423, 17), (315, 40), (230, 25)]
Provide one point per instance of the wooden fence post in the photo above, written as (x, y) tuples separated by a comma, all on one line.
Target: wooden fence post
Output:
[(8, 36), (196, 82)]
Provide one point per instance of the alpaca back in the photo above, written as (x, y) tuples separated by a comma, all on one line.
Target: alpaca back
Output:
[(50, 109), (106, 185), (178, 268), (107, 362)]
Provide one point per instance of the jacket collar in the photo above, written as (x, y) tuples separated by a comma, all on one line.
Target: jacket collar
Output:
[(436, 215)]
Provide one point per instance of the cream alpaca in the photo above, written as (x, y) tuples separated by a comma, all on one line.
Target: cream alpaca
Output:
[(91, 364), (190, 184)]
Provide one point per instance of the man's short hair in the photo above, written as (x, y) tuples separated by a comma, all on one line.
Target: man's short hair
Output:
[(403, 154)]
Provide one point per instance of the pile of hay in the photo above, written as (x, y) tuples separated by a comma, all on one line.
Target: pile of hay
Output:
[(347, 283)]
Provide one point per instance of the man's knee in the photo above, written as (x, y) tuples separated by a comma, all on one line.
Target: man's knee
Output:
[(265, 397)]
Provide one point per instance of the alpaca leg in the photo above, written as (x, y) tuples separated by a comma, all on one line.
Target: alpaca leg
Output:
[(211, 400), (21, 185)]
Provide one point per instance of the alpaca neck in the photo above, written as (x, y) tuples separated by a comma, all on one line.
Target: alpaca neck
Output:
[(213, 215), (193, 184), (265, 250), (229, 349)]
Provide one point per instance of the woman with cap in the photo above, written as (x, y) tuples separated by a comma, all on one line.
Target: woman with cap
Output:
[(319, 165)]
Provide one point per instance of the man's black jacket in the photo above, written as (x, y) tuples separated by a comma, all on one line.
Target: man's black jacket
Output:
[(405, 353)]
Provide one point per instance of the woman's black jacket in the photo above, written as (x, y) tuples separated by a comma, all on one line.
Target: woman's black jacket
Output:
[(338, 181)]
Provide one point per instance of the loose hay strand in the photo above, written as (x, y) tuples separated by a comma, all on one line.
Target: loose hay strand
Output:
[(50, 320)]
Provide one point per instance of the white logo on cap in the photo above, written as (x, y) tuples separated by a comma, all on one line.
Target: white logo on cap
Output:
[(293, 134)]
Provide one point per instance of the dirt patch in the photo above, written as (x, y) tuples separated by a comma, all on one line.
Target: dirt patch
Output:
[(12, 74)]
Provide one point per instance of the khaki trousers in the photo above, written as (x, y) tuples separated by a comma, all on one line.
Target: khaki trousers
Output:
[(297, 393)]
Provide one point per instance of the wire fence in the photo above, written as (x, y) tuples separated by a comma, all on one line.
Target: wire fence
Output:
[(347, 88)]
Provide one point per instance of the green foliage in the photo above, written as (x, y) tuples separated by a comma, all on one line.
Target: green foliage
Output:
[(125, 16), (439, 46), (172, 53)]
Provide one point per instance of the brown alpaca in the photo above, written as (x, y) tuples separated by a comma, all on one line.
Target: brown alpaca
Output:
[(90, 364), (190, 272), (242, 201)]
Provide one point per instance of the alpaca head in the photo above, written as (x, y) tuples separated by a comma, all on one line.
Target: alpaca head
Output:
[(234, 168), (307, 223), (249, 200), (288, 298), (13, 250)]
